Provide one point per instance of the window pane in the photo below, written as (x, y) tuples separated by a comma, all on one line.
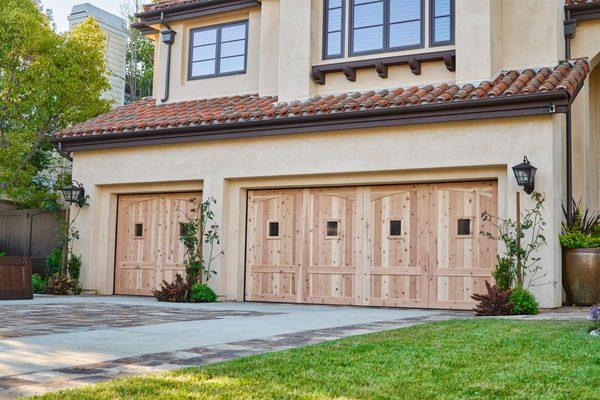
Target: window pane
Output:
[(464, 227), (442, 7), (368, 14), (232, 64), (442, 30), (404, 10), (205, 37), (405, 34), (332, 228), (204, 52), (273, 229), (235, 32), (368, 39), (395, 227), (202, 68), (233, 48), (334, 20), (334, 45), (334, 3)]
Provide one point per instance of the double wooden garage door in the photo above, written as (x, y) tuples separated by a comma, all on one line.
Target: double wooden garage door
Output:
[(405, 245), (148, 245)]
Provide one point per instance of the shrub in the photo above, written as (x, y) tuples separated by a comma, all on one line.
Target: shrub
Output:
[(581, 230), (504, 273), (59, 285), (74, 268), (39, 284), (524, 302), (582, 220), (175, 292), (578, 240), (202, 293), (495, 302), (2, 254), (595, 317), (53, 262)]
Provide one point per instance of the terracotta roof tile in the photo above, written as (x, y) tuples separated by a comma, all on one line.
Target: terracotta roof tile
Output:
[(147, 115), (167, 4), (576, 2)]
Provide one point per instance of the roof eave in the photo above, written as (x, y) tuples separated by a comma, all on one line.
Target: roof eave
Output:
[(498, 107), (583, 11), (194, 10)]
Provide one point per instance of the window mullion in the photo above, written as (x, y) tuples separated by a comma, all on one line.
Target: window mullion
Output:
[(386, 25), (218, 52)]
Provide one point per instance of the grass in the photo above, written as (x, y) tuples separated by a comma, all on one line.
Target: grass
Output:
[(478, 359)]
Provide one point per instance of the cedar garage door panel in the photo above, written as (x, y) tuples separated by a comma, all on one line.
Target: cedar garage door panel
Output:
[(395, 246), (148, 246)]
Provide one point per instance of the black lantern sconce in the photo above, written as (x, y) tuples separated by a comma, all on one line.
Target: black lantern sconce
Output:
[(525, 174), (74, 194)]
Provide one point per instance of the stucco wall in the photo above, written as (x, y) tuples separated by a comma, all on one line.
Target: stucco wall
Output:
[(183, 89), (225, 169), (586, 117), (286, 39)]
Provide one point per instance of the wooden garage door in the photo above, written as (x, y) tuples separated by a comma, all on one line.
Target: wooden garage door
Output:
[(394, 246), (461, 259), (148, 249)]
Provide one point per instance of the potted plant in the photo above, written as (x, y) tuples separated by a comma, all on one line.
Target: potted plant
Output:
[(580, 240)]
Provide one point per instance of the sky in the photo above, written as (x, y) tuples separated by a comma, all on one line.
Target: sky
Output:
[(62, 8)]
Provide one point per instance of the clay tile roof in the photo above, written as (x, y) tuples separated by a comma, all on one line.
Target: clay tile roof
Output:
[(147, 114), (168, 3), (576, 2)]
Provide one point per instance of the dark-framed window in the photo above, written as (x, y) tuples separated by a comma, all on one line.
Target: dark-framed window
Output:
[(334, 21), (218, 50), (386, 25), (441, 22)]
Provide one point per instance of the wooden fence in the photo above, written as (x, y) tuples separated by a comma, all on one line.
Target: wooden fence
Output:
[(15, 278), (27, 233)]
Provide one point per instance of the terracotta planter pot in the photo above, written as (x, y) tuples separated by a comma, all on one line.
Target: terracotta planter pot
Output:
[(581, 276)]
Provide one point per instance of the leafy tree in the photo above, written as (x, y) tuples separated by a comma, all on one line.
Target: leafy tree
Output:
[(48, 81), (140, 56)]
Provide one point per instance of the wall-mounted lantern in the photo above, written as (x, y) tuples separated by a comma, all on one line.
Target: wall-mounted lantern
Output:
[(525, 174), (74, 194)]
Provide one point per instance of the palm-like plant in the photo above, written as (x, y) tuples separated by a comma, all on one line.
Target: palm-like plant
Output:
[(584, 221)]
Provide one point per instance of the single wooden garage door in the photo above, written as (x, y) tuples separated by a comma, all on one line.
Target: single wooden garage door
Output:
[(395, 246), (148, 246)]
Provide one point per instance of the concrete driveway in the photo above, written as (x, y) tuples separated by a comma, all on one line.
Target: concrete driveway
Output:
[(52, 343)]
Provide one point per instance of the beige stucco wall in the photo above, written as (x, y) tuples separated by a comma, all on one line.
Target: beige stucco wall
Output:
[(532, 33), (225, 169), (586, 117), (183, 89), (286, 38)]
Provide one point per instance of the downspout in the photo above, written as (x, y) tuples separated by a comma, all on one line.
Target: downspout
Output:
[(168, 38), (62, 153), (570, 27)]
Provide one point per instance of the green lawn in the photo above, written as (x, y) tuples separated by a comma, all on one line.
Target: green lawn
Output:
[(480, 359)]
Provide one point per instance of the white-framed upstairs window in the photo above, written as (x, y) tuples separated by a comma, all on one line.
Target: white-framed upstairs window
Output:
[(218, 50)]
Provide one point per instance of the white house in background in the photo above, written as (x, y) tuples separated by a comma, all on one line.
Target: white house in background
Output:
[(116, 31)]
